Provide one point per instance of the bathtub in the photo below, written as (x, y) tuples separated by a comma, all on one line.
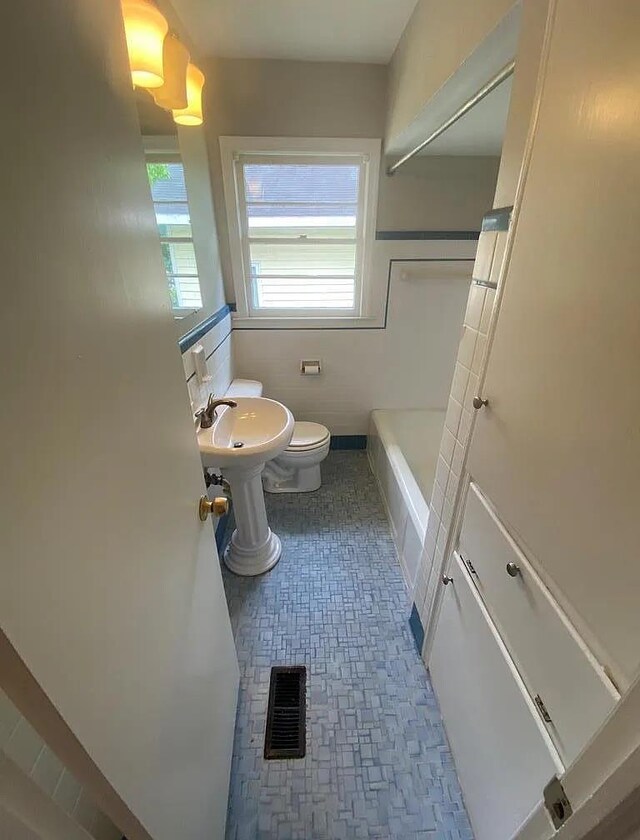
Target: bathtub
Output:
[(403, 448)]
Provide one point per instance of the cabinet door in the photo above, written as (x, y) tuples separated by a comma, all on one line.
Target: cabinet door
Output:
[(557, 450), (503, 756)]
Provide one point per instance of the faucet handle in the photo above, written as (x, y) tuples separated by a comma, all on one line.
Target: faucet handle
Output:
[(210, 401)]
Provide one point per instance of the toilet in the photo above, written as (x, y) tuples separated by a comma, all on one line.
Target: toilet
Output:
[(297, 469)]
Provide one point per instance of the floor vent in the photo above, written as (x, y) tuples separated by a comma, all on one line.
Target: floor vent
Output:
[(286, 713)]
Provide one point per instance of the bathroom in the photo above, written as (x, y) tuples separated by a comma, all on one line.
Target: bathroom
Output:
[(306, 554)]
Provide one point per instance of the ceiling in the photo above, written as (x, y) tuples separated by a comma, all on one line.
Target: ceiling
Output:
[(480, 131), (307, 30)]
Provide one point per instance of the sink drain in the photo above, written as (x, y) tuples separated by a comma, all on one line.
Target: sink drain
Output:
[(238, 444)]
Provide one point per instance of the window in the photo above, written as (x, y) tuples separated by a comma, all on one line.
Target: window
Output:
[(301, 221), (169, 192)]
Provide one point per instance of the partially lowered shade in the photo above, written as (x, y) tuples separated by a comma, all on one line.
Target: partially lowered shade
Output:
[(192, 114), (173, 93), (145, 29)]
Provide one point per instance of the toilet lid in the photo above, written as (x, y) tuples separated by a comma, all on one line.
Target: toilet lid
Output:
[(308, 435)]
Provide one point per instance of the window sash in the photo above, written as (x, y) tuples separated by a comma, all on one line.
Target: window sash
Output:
[(184, 286), (247, 238)]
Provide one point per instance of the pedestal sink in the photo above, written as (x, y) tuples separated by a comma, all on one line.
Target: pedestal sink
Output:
[(240, 442)]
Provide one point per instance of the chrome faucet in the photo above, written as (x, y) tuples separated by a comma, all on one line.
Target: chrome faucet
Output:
[(207, 415)]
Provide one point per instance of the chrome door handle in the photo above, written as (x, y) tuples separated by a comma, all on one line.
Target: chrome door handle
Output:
[(478, 403)]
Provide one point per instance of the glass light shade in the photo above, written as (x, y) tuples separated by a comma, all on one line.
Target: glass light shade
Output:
[(173, 93), (192, 114), (145, 29)]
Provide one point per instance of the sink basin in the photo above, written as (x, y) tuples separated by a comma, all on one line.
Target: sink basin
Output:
[(256, 431)]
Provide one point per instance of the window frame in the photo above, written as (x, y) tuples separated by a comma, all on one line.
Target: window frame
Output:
[(174, 157), (238, 150)]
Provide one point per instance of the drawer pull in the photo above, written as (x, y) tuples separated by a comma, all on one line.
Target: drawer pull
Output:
[(478, 403), (447, 580), (513, 570)]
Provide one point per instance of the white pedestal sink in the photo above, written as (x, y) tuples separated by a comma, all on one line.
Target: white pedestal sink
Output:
[(240, 442)]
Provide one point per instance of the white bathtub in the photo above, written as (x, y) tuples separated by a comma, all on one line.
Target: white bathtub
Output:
[(403, 448)]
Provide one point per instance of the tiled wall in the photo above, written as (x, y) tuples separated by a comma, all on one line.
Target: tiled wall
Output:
[(459, 418), (217, 349), (21, 743), (407, 364)]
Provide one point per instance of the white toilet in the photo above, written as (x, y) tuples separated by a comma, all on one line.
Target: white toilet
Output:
[(297, 469)]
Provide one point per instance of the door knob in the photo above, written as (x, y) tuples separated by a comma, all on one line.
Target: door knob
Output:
[(219, 506), (447, 580), (513, 569), (478, 402)]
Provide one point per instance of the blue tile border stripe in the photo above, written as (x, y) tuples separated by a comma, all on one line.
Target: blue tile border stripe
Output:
[(405, 235), (348, 442), (417, 630), (190, 338)]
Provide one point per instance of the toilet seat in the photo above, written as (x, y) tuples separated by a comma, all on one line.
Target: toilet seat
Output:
[(308, 436)]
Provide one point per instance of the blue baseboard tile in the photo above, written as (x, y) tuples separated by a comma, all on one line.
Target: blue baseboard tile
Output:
[(348, 441), (417, 630)]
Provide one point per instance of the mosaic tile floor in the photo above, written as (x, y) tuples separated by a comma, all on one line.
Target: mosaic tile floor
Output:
[(378, 763)]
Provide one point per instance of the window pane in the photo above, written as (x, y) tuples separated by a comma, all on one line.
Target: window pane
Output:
[(300, 182), (309, 220), (167, 181), (311, 259), (179, 258), (169, 193), (312, 275), (175, 231), (187, 291)]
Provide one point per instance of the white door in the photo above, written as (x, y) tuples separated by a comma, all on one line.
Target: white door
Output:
[(111, 589), (503, 755), (557, 450)]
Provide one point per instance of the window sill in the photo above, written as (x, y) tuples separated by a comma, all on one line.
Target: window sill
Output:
[(242, 322)]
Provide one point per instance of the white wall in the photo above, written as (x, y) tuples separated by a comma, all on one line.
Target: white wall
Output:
[(437, 40), (21, 743), (410, 362), (407, 365), (217, 349)]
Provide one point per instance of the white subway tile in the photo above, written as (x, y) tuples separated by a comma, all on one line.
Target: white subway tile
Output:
[(478, 353), (447, 445), (442, 539), (447, 513), (471, 392), (467, 347), (452, 417), (47, 771), (67, 792), (458, 457), (437, 500), (24, 746), (85, 811), (442, 472), (474, 306), (487, 309), (452, 488), (9, 717), (459, 383), (464, 428)]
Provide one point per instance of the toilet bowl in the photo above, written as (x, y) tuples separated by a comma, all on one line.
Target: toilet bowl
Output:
[(297, 469)]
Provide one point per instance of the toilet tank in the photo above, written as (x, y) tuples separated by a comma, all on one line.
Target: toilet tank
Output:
[(244, 388)]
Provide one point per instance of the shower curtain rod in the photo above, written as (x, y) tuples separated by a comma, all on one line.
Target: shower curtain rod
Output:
[(492, 84)]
